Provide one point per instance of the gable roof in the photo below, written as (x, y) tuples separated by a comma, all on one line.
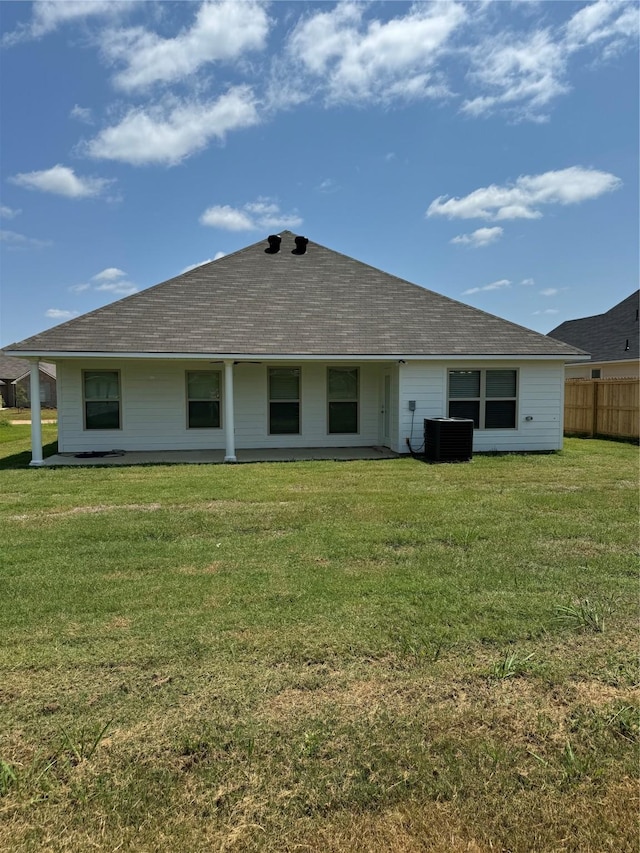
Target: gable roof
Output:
[(317, 303), (607, 335), (13, 369)]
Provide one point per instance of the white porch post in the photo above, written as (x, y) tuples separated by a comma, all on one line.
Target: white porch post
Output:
[(229, 420), (36, 425)]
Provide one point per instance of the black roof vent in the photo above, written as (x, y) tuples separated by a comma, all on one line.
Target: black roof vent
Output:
[(274, 244), (301, 246)]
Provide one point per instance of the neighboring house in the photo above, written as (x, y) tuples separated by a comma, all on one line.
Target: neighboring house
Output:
[(612, 339), (288, 344), (14, 379)]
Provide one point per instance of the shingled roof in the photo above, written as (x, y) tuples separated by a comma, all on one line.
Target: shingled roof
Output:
[(612, 336), (15, 368), (316, 303)]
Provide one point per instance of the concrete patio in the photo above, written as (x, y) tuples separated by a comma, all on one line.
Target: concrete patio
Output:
[(216, 457)]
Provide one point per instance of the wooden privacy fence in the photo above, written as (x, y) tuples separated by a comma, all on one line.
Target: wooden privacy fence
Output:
[(606, 407)]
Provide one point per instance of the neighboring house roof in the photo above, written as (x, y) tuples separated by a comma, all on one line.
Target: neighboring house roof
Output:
[(612, 336), (14, 369), (319, 302)]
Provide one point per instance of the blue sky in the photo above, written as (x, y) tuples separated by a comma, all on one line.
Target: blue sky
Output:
[(488, 151)]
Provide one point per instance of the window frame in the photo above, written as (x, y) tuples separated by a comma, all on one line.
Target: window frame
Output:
[(86, 400), (202, 399), (355, 400), (482, 399), (291, 367)]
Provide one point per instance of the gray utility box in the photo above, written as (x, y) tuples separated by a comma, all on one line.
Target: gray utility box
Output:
[(448, 439)]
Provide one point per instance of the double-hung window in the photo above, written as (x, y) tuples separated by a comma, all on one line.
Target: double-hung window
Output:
[(488, 397), (203, 399), (284, 400), (342, 399), (101, 390)]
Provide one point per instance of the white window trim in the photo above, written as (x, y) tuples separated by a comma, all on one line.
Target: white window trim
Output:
[(297, 367), (483, 399), (356, 400), (85, 401), (188, 399)]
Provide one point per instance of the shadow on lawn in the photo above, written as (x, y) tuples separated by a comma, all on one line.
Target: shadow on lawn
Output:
[(21, 460)]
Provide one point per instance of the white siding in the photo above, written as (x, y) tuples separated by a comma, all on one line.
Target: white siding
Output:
[(608, 370), (540, 398), (154, 413)]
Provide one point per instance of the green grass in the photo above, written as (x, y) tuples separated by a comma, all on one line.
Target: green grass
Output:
[(15, 440), (14, 414), (314, 656)]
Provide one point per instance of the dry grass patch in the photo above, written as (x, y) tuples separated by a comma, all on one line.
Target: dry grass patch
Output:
[(51, 514), (441, 827)]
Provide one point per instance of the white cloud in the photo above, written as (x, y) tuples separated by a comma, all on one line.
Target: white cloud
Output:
[(59, 314), (216, 257), (120, 288), (547, 311), (48, 15), (8, 212), (495, 285), (195, 266), (550, 291), (603, 21), (113, 281), (374, 60), (528, 282), (522, 199), (479, 238), (20, 241), (262, 213), (328, 185), (109, 274), (223, 216), (82, 114), (522, 74), (61, 180), (505, 63), (222, 31), (109, 280), (171, 132)]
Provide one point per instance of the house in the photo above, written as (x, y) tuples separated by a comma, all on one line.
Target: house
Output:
[(612, 338), (288, 344), (15, 386)]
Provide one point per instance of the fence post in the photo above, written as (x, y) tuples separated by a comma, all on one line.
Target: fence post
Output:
[(594, 411)]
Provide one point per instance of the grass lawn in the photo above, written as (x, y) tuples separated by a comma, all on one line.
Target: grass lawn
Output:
[(321, 656), (25, 415)]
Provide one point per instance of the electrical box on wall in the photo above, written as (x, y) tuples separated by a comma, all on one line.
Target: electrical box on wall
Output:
[(412, 405)]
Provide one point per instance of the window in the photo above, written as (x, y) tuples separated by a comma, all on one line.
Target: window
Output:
[(203, 399), (284, 400), (488, 397), (342, 396), (101, 399), (595, 373)]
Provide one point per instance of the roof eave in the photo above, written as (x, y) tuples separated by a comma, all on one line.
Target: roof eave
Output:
[(294, 356)]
